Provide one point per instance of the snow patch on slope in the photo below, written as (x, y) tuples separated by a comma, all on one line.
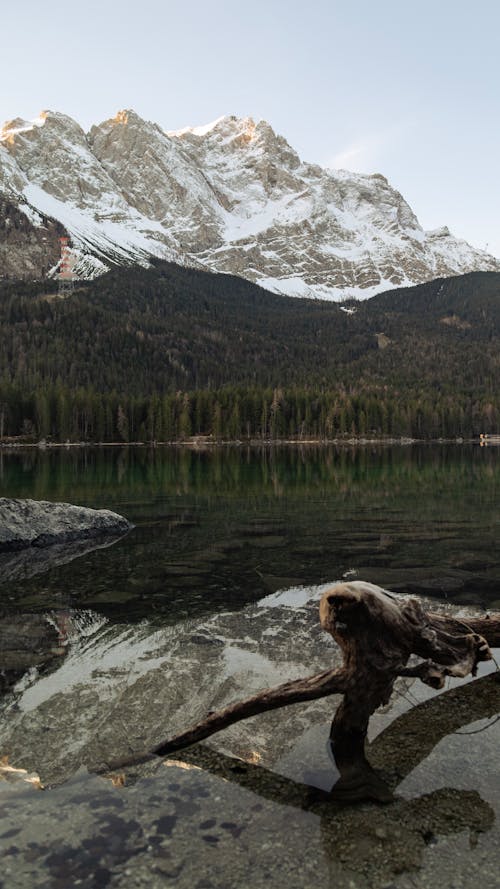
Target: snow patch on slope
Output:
[(110, 240)]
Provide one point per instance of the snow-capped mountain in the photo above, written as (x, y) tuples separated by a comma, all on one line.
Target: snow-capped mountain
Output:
[(232, 196)]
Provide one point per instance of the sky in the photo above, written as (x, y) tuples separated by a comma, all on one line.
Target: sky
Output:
[(407, 89)]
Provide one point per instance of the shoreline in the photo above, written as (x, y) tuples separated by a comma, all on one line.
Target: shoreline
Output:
[(207, 443)]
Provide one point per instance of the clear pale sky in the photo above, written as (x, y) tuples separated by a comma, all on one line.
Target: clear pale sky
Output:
[(407, 89)]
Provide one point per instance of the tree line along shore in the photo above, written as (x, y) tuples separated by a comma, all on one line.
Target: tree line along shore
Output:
[(58, 414)]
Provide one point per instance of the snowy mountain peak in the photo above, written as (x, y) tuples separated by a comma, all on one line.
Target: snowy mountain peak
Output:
[(234, 133), (122, 117), (13, 128), (31, 142), (197, 131), (129, 118), (232, 196), (227, 125)]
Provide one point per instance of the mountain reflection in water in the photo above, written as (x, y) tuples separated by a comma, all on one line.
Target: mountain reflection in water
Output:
[(207, 600)]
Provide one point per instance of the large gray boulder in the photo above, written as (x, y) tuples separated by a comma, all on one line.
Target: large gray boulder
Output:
[(26, 523)]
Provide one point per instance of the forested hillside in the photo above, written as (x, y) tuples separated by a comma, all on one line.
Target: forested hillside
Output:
[(168, 352)]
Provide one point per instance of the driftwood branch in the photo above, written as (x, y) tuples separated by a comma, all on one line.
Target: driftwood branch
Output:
[(296, 691), (377, 633)]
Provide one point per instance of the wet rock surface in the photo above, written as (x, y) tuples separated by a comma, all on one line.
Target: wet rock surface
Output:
[(250, 807), (40, 523), (207, 820)]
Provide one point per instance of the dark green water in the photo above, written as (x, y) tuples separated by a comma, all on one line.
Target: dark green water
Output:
[(225, 527)]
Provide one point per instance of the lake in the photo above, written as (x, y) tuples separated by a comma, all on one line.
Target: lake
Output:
[(212, 596)]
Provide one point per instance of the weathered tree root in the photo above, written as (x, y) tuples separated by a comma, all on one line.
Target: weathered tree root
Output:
[(377, 632)]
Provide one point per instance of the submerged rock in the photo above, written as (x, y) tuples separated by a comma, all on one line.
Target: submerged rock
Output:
[(29, 641), (27, 523)]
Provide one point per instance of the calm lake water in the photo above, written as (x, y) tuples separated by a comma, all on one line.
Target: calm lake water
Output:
[(212, 596), (225, 527)]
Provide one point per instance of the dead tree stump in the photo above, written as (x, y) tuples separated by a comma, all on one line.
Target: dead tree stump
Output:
[(377, 632)]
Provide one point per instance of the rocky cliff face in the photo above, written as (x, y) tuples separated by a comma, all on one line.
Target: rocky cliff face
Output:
[(232, 197)]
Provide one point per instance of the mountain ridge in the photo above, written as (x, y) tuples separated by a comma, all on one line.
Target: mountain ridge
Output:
[(232, 196)]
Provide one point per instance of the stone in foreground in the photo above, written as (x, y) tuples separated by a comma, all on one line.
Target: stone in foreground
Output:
[(25, 523)]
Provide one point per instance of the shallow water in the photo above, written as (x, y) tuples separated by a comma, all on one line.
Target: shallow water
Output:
[(213, 595)]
